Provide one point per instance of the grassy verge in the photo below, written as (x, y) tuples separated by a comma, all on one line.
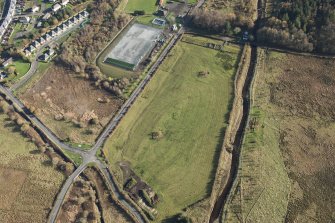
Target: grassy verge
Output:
[(191, 113), (76, 158)]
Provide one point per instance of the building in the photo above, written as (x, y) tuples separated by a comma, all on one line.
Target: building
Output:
[(64, 2), (25, 19), (35, 8), (52, 33), (36, 44), (42, 40), (31, 48), (52, 1), (7, 62), (39, 24), (27, 52), (45, 57), (46, 16), (56, 7), (47, 37)]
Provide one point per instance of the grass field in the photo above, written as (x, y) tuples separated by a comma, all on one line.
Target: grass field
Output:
[(149, 6), (28, 184), (287, 172), (191, 112)]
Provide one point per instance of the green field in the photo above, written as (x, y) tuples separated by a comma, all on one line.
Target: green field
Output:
[(21, 67), (191, 112), (149, 6), (28, 183)]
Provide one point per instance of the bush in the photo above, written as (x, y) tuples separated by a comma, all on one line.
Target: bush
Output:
[(139, 12)]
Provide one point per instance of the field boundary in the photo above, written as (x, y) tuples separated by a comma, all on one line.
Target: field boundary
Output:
[(238, 175), (235, 116)]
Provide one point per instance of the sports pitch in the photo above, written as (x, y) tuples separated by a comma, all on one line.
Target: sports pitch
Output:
[(136, 43)]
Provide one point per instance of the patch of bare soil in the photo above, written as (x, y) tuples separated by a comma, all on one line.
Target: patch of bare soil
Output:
[(71, 106), (111, 210), (304, 94), (80, 205)]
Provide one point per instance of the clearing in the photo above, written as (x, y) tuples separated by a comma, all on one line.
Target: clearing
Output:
[(28, 183), (172, 134), (287, 161), (72, 107)]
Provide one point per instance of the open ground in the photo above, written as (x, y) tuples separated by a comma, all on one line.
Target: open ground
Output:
[(66, 103), (287, 168), (180, 164), (28, 183)]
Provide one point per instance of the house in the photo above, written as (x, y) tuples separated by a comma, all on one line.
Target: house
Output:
[(52, 33), (56, 7), (27, 52), (73, 20), (46, 16), (39, 24), (35, 9), (47, 37), (64, 2), (45, 57), (52, 1), (67, 23), (78, 17), (42, 40), (7, 62), (31, 48), (84, 13), (174, 27), (25, 19), (64, 26), (36, 44), (58, 30)]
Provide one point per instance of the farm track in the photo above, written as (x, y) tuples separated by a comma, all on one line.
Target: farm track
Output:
[(221, 200)]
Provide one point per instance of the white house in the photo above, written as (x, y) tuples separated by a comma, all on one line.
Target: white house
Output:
[(46, 16), (35, 8), (64, 2), (56, 7)]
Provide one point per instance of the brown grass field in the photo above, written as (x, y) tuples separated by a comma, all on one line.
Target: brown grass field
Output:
[(288, 169), (73, 99), (28, 183)]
